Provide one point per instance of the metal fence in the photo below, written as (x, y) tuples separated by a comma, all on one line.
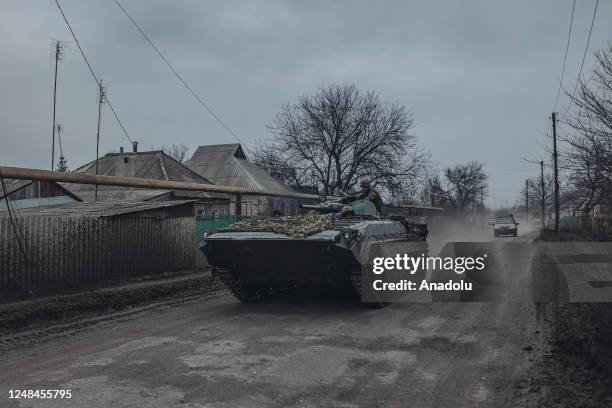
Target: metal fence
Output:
[(68, 250)]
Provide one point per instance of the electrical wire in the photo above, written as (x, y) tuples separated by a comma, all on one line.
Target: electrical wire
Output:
[(569, 35), (93, 74), (178, 76), (586, 49)]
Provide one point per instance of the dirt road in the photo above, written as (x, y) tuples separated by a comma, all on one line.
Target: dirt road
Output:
[(216, 352)]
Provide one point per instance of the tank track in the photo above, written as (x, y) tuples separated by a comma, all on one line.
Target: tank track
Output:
[(355, 278), (247, 293)]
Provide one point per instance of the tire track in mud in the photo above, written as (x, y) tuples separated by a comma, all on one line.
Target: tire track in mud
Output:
[(28, 337)]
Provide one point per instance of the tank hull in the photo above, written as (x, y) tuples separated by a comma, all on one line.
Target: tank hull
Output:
[(256, 264), (291, 261)]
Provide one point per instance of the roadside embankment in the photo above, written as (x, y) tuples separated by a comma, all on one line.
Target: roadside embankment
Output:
[(578, 369), (113, 297)]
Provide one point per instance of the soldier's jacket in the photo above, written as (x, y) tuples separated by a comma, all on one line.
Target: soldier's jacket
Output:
[(374, 197)]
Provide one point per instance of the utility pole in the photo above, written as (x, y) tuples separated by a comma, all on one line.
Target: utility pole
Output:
[(527, 200), (481, 205), (556, 170), (100, 101), (542, 193), (58, 56)]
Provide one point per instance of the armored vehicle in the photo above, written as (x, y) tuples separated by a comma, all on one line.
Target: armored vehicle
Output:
[(331, 245)]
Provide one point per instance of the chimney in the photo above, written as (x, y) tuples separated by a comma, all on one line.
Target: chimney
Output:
[(135, 147), (121, 149)]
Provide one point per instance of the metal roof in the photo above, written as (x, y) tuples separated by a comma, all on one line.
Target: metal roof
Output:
[(13, 185), (155, 165), (107, 208), (226, 165)]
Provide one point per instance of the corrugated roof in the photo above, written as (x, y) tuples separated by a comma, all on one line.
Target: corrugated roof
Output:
[(154, 165), (227, 165), (13, 185), (107, 208)]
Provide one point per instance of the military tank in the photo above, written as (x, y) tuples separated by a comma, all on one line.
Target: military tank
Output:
[(331, 245)]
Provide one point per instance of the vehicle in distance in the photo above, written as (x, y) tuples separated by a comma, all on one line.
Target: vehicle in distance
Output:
[(505, 225)]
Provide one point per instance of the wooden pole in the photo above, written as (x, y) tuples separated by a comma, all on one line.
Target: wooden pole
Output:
[(556, 170), (527, 200), (58, 50)]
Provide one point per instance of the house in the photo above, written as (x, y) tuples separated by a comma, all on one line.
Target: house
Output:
[(602, 209), (155, 165), (35, 193), (227, 165), (308, 189)]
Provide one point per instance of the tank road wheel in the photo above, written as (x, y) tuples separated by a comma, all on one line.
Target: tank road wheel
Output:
[(243, 292), (355, 277)]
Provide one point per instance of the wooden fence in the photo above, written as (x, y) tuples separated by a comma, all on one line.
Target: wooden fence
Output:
[(69, 250), (575, 224)]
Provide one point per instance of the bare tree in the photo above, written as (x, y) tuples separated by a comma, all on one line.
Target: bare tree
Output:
[(462, 185), (177, 152), (62, 164), (269, 158), (589, 160), (339, 135), (540, 196)]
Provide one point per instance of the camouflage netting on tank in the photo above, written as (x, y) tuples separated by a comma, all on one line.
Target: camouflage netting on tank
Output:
[(294, 226)]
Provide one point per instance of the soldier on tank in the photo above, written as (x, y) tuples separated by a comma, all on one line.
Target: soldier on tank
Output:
[(368, 193)]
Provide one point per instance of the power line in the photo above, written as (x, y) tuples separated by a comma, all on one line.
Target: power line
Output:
[(569, 35), (177, 75), (586, 49), (93, 74)]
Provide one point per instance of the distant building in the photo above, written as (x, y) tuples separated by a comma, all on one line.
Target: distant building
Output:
[(34, 193), (154, 165), (227, 165), (313, 190)]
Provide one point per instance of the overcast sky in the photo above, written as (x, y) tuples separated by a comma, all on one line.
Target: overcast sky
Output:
[(479, 76)]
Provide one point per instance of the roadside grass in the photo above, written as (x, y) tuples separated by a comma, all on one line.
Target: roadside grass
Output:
[(578, 370)]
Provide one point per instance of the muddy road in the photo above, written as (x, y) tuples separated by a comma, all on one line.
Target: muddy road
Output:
[(309, 351)]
